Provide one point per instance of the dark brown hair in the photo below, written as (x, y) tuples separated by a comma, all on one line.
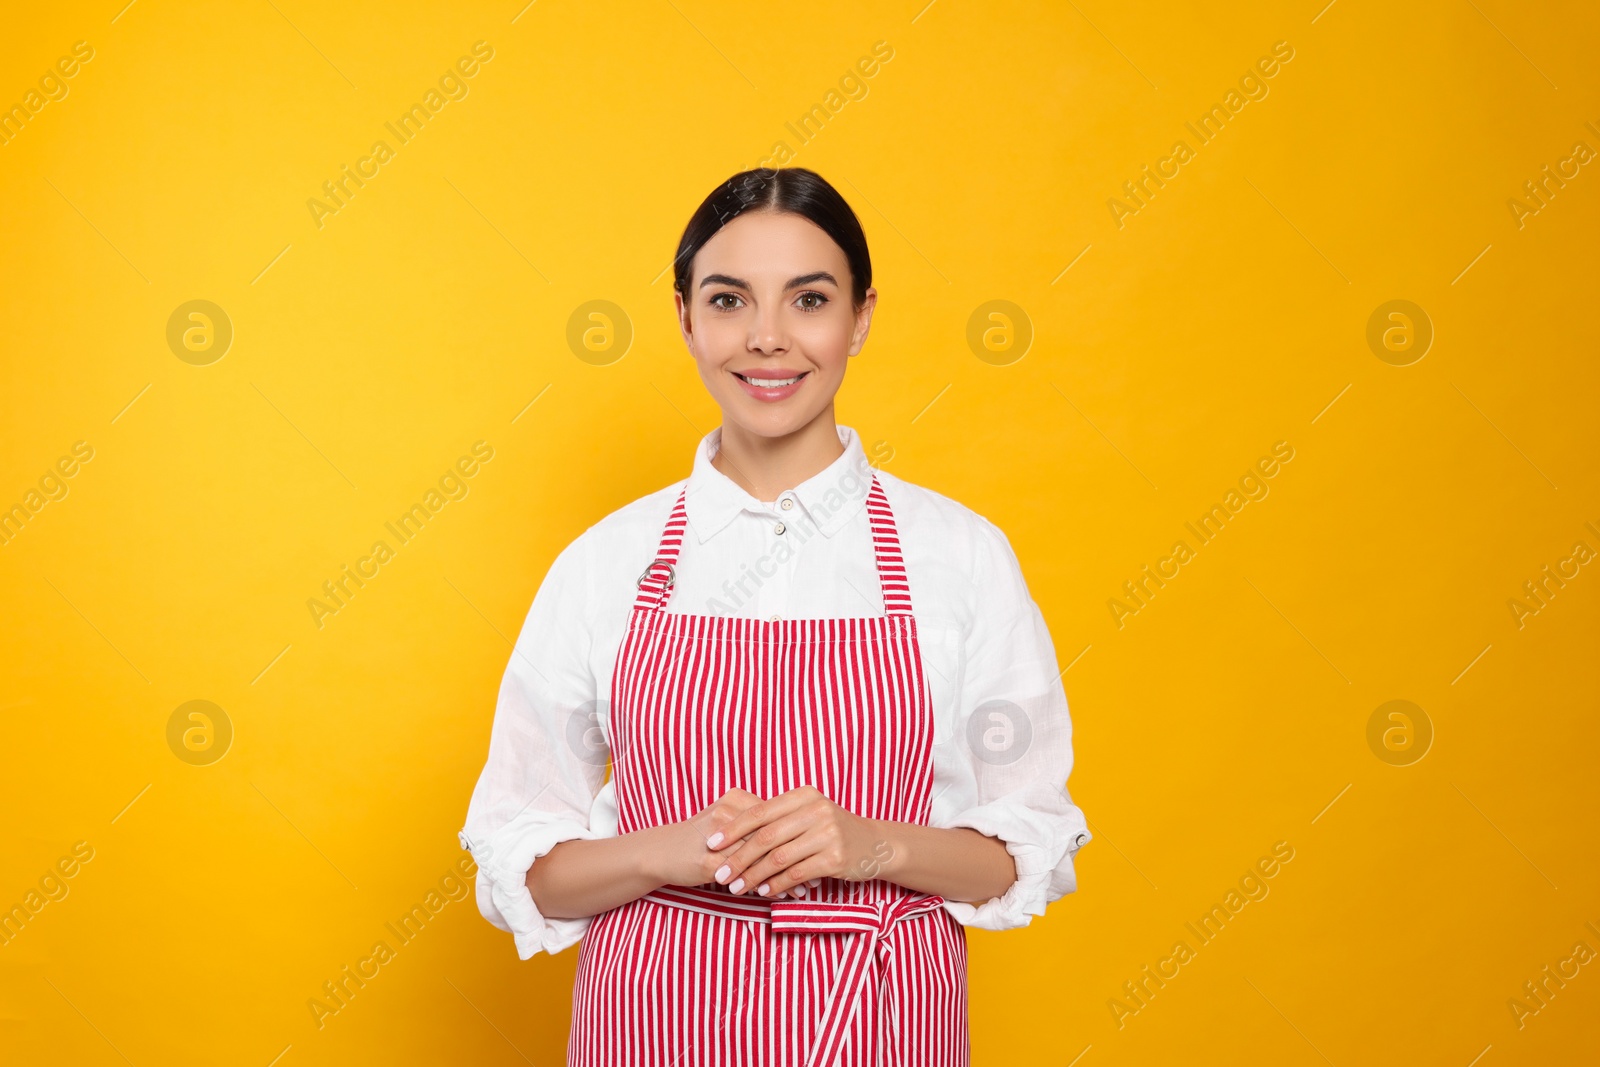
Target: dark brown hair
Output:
[(793, 190)]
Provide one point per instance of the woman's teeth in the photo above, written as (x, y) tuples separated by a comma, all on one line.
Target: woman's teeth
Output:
[(771, 383)]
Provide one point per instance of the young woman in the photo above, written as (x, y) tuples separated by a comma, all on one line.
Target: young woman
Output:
[(834, 719)]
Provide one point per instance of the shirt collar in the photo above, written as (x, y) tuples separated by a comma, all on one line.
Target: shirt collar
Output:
[(827, 500)]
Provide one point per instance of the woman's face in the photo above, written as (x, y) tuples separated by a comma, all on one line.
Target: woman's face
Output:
[(769, 300)]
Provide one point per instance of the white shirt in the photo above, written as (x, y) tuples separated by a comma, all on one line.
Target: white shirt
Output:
[(806, 555)]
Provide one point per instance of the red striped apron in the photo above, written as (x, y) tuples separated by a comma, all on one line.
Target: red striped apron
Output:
[(861, 972)]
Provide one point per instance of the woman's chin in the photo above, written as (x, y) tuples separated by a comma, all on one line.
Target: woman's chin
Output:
[(769, 420)]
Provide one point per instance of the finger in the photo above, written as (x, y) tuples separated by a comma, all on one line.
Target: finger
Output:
[(797, 879), (759, 842), (747, 855), (727, 831), (793, 842), (732, 804), (719, 826), (726, 872), (752, 819), (717, 833), (753, 816)]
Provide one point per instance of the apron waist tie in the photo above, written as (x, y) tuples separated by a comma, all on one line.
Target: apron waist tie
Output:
[(863, 968)]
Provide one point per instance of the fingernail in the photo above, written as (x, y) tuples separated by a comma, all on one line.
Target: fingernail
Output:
[(723, 872), (738, 884), (799, 890), (714, 840), (763, 888), (815, 882)]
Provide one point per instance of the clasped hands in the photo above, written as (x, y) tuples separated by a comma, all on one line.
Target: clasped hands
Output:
[(779, 847)]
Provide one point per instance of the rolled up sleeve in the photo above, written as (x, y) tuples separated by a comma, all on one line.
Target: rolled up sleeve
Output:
[(544, 781), (1011, 753)]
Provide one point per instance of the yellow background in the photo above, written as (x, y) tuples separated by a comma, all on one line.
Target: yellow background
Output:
[(1229, 313)]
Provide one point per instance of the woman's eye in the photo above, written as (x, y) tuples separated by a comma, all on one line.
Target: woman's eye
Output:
[(808, 301)]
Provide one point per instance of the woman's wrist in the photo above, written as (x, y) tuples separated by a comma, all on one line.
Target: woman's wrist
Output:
[(959, 864), (590, 876), (646, 858), (891, 849)]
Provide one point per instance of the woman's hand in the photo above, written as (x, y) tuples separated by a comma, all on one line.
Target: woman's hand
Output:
[(678, 852), (794, 840)]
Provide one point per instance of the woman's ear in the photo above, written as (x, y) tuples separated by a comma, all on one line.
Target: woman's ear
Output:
[(685, 327), (858, 336)]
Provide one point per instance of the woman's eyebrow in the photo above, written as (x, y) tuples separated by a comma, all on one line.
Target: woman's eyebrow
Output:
[(794, 283)]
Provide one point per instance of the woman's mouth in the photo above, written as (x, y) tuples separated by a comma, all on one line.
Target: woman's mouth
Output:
[(771, 386)]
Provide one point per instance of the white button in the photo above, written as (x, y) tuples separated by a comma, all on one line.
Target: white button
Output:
[(787, 503), (466, 842), (778, 528), (1080, 840), (775, 618)]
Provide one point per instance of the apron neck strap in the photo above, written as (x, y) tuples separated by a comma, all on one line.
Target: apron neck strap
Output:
[(658, 579), (886, 546)]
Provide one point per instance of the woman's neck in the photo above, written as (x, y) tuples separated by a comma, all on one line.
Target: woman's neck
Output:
[(765, 467)]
